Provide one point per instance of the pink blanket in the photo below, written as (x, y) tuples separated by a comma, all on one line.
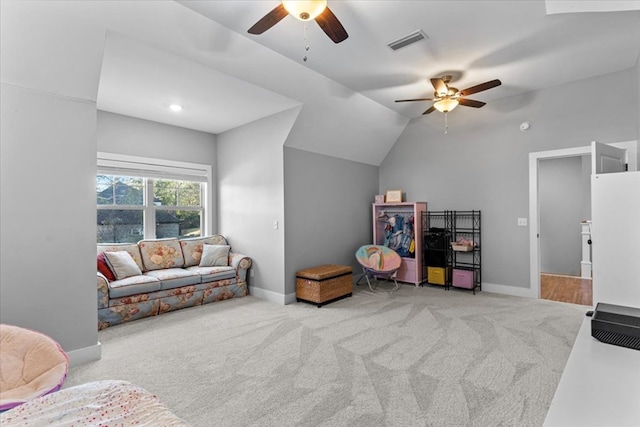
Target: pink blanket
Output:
[(100, 403)]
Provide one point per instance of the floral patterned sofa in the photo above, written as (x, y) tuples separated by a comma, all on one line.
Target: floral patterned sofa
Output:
[(162, 275)]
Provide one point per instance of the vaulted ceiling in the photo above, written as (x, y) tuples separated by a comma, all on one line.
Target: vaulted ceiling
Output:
[(226, 77), (527, 44)]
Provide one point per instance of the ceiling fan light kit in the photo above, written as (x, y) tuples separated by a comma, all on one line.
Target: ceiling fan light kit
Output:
[(305, 10), (446, 104), (446, 98)]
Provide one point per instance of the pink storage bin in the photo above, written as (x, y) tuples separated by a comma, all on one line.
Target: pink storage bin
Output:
[(462, 278)]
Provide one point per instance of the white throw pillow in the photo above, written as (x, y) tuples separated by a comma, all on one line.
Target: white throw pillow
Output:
[(122, 264), (215, 255)]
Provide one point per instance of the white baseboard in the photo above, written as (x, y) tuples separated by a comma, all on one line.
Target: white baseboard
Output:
[(273, 296), (486, 287), (508, 290), (290, 298), (85, 355)]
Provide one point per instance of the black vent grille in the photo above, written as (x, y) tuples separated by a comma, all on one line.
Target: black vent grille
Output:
[(616, 339)]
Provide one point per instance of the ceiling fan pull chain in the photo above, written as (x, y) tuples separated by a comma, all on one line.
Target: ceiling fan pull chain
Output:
[(306, 41), (446, 122)]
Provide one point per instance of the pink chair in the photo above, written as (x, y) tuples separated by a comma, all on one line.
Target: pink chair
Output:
[(378, 262), (33, 364)]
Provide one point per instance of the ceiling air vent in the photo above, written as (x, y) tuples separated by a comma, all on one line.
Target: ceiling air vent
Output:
[(410, 38)]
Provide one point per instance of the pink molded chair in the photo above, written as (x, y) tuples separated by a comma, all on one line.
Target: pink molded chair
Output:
[(378, 262), (33, 364)]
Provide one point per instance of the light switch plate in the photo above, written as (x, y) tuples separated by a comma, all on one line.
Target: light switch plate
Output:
[(522, 222)]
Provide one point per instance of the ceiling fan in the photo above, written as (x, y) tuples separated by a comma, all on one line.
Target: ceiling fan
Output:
[(448, 97), (304, 11)]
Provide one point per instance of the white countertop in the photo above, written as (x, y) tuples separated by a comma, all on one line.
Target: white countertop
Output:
[(600, 385)]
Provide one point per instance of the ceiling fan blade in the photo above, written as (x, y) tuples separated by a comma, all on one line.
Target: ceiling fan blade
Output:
[(480, 87), (269, 20), (471, 103), (417, 99), (430, 110), (331, 26), (440, 86)]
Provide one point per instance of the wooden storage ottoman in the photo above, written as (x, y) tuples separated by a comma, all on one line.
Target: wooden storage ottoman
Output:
[(324, 284)]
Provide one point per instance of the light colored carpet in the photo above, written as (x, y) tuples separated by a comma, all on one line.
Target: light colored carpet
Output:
[(415, 357)]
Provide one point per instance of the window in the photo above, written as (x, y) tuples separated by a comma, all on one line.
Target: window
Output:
[(143, 199), (120, 208)]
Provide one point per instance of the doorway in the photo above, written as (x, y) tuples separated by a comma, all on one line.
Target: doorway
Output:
[(629, 151), (564, 202), (534, 211)]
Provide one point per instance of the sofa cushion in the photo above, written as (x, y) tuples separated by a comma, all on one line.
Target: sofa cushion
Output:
[(174, 277), (192, 247), (133, 285), (214, 255), (158, 254), (122, 265), (104, 268), (212, 274), (132, 248)]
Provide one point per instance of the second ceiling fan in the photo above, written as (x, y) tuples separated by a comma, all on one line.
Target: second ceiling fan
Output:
[(448, 97), (304, 11)]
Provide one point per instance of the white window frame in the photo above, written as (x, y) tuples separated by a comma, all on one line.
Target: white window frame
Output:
[(146, 167)]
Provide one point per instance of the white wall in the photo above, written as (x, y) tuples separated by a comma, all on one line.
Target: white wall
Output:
[(136, 137), (49, 85), (482, 163), (262, 181), (251, 198), (47, 216), (327, 211)]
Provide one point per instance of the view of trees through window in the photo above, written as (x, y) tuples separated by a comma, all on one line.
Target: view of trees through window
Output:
[(126, 204)]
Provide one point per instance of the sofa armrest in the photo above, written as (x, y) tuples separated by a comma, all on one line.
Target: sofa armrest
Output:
[(103, 291), (241, 263)]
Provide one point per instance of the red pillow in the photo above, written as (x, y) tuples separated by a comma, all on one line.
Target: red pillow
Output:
[(103, 268)]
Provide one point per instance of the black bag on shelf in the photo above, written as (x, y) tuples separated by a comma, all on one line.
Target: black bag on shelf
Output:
[(435, 258), (435, 240)]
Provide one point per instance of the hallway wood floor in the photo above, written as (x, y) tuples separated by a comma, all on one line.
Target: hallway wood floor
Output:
[(572, 289)]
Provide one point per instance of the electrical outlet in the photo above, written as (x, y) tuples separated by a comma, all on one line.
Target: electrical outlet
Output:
[(251, 273), (522, 222), (275, 224)]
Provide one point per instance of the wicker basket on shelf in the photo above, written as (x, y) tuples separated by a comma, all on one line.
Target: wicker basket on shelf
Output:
[(461, 248)]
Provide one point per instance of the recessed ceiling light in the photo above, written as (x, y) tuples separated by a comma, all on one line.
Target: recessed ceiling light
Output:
[(175, 107)]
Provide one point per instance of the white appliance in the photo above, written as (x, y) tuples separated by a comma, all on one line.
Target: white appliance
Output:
[(615, 235)]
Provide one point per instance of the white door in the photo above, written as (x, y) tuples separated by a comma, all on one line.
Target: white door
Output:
[(607, 159)]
